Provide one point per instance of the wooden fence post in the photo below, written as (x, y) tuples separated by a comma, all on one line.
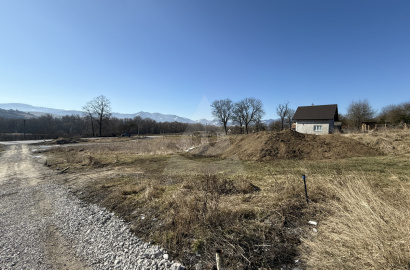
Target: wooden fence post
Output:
[(219, 261)]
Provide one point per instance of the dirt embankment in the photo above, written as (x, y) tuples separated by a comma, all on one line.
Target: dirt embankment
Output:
[(287, 145), (390, 142)]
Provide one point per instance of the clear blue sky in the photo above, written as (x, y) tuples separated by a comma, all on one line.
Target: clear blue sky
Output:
[(176, 56)]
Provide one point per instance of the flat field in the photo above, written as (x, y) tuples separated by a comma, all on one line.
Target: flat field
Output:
[(245, 196)]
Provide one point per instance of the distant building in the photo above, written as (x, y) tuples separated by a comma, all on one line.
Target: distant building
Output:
[(317, 119)]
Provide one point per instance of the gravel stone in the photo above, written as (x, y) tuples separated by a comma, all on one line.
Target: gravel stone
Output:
[(44, 226)]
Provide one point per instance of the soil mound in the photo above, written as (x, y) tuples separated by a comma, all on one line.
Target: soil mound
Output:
[(287, 144)]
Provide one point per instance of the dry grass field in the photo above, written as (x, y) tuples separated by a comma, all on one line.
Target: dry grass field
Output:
[(245, 196)]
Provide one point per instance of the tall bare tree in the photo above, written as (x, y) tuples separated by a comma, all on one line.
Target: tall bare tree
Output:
[(360, 111), (291, 113), (395, 114), (237, 116), (249, 110), (222, 110), (100, 108), (88, 111), (282, 111)]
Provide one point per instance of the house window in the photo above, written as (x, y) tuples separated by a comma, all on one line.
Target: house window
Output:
[(317, 128)]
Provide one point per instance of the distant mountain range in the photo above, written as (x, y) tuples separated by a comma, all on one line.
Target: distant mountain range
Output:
[(37, 111), (33, 111), (28, 111), (14, 114)]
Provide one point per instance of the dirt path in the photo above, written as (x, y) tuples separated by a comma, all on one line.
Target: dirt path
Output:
[(29, 238), (44, 226)]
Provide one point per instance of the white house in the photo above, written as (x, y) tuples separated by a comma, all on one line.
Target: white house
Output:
[(318, 119)]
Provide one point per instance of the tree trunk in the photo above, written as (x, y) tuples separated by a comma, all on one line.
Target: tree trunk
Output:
[(92, 127), (100, 126), (283, 126), (92, 124)]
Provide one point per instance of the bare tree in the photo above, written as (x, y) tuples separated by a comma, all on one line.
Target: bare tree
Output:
[(274, 126), (48, 124), (100, 107), (359, 112), (222, 111), (138, 120), (396, 114), (249, 110), (291, 113), (237, 116), (260, 126), (282, 111), (88, 111), (126, 126)]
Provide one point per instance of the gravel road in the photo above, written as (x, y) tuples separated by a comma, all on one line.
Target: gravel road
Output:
[(43, 226)]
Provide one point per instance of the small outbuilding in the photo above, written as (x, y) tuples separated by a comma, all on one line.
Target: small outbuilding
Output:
[(317, 119)]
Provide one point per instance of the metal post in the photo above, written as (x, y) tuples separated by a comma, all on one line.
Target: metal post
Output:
[(304, 181)]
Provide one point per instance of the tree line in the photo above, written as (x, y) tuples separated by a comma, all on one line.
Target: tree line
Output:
[(250, 111), (48, 126), (96, 120), (361, 111), (244, 116)]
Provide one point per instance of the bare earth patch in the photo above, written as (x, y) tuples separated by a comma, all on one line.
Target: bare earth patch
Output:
[(244, 195), (288, 145)]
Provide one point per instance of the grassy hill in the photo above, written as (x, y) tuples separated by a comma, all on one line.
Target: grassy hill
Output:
[(15, 114)]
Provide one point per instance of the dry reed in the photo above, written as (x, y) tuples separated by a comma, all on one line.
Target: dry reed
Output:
[(366, 228)]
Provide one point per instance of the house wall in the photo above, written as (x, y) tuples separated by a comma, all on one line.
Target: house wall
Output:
[(307, 126)]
